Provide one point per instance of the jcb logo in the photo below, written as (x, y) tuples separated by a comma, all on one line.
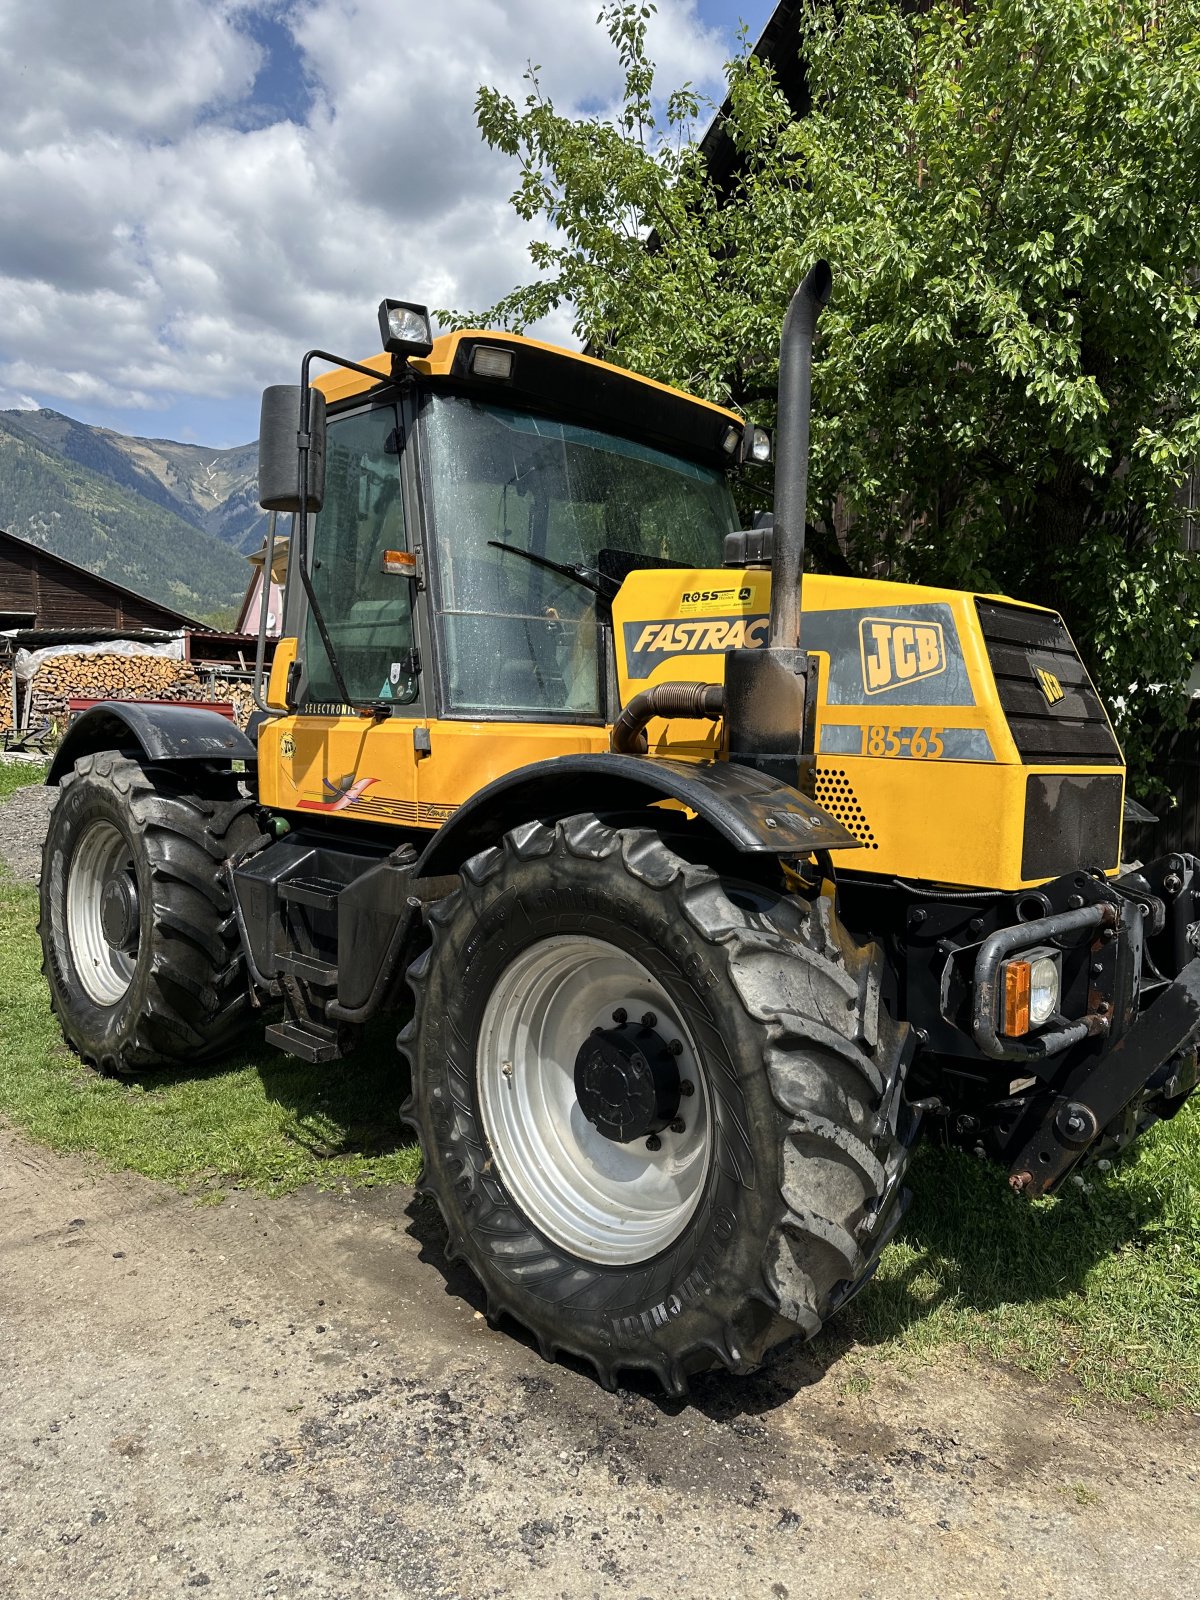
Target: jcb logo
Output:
[(1049, 685), (895, 653)]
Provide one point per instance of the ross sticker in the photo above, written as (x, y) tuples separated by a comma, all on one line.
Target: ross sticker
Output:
[(692, 601)]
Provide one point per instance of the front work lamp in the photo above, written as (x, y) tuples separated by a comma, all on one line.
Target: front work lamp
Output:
[(404, 328)]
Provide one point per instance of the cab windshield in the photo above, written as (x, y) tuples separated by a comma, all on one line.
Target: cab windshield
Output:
[(507, 485)]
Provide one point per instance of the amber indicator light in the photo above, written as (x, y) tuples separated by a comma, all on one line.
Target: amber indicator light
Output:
[(1016, 997), (401, 561)]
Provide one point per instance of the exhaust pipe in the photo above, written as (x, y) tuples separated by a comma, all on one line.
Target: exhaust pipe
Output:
[(766, 706), (791, 459)]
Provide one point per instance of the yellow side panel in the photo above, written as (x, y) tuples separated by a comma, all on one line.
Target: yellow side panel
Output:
[(914, 752), (371, 771)]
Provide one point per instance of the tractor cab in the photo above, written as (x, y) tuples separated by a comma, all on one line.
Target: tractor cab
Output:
[(509, 532)]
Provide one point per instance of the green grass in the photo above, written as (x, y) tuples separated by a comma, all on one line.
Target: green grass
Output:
[(261, 1120), (1100, 1287), (16, 774)]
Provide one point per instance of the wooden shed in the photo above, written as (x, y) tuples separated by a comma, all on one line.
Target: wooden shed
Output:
[(41, 590)]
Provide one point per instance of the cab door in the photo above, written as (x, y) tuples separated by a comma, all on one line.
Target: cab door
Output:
[(336, 758)]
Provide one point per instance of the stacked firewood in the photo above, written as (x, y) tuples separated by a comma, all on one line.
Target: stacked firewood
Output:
[(62, 678), (6, 688)]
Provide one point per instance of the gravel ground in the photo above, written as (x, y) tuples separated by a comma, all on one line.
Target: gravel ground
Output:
[(23, 820), (298, 1398)]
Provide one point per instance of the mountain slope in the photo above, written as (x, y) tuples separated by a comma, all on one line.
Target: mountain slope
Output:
[(111, 527), (215, 490)]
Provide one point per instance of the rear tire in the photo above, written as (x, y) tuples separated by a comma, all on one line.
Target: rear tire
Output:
[(798, 1133), (155, 976)]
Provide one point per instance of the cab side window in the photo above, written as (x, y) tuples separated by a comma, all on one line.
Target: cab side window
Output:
[(367, 607)]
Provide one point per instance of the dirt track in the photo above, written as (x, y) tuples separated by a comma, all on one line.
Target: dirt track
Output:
[(280, 1398)]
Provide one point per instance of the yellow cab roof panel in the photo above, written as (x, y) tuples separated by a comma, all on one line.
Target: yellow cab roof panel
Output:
[(341, 384)]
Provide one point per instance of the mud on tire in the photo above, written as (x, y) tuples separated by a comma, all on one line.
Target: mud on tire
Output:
[(187, 995), (802, 1073)]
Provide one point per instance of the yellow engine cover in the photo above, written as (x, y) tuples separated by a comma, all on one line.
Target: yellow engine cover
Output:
[(915, 752)]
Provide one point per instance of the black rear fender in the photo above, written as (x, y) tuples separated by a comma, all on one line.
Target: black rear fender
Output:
[(162, 735)]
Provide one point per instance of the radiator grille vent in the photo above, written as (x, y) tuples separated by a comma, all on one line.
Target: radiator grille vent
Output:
[(1062, 724), (835, 795)]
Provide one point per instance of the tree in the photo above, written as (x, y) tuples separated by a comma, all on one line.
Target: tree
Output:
[(1007, 389)]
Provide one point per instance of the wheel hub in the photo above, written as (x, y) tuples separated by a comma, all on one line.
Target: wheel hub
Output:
[(119, 914), (627, 1082)]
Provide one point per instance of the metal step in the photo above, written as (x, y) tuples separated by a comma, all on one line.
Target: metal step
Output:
[(309, 969), (310, 1044), (322, 893)]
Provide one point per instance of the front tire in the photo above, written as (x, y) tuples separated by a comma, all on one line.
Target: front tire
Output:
[(762, 1203), (139, 942)]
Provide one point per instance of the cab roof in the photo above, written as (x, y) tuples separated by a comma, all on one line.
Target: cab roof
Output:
[(565, 384)]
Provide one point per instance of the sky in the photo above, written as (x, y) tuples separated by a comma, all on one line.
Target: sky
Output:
[(193, 192)]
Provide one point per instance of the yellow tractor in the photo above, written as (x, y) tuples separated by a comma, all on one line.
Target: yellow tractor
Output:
[(700, 885)]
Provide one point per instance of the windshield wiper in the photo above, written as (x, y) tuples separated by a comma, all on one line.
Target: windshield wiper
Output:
[(587, 577)]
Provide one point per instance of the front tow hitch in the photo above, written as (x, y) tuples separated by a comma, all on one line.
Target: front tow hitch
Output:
[(1167, 1030)]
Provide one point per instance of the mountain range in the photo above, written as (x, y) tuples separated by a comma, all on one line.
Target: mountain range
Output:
[(171, 521)]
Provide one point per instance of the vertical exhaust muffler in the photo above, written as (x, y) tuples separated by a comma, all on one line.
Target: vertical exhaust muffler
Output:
[(766, 689)]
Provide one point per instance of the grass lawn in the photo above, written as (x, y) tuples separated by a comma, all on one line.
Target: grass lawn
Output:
[(16, 774), (1101, 1284)]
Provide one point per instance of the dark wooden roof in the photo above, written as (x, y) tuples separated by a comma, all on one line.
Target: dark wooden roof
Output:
[(779, 45), (57, 594)]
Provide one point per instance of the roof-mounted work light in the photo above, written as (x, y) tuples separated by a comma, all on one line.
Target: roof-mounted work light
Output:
[(405, 328)]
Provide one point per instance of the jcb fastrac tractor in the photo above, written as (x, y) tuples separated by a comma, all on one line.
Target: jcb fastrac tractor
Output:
[(706, 882)]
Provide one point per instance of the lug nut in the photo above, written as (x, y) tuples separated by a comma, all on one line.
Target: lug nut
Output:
[(648, 1019), (687, 1087), (679, 1126), (676, 1047), (620, 1016), (653, 1142)]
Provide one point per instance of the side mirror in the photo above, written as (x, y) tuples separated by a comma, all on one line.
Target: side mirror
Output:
[(278, 451)]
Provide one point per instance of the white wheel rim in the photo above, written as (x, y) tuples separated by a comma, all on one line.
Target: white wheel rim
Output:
[(610, 1203), (104, 972)]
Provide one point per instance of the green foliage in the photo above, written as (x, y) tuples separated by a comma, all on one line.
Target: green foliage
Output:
[(1007, 390)]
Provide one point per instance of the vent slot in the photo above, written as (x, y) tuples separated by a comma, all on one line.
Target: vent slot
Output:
[(1074, 730), (835, 795)]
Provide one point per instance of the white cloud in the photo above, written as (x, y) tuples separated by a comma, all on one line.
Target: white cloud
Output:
[(157, 239)]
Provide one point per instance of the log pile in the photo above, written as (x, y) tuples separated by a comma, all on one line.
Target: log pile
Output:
[(61, 678), (6, 681)]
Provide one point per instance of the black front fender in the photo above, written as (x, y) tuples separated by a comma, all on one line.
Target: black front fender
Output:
[(751, 812), (158, 733)]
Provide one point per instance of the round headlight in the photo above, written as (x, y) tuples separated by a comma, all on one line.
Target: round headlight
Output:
[(1043, 990)]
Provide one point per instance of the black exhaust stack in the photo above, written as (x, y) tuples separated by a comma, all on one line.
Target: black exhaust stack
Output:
[(791, 461), (765, 699)]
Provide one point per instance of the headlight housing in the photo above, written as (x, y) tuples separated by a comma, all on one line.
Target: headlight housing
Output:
[(405, 328), (1030, 989)]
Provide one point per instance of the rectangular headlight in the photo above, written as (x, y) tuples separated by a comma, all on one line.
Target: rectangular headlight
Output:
[(1030, 990), (490, 361), (405, 328)]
